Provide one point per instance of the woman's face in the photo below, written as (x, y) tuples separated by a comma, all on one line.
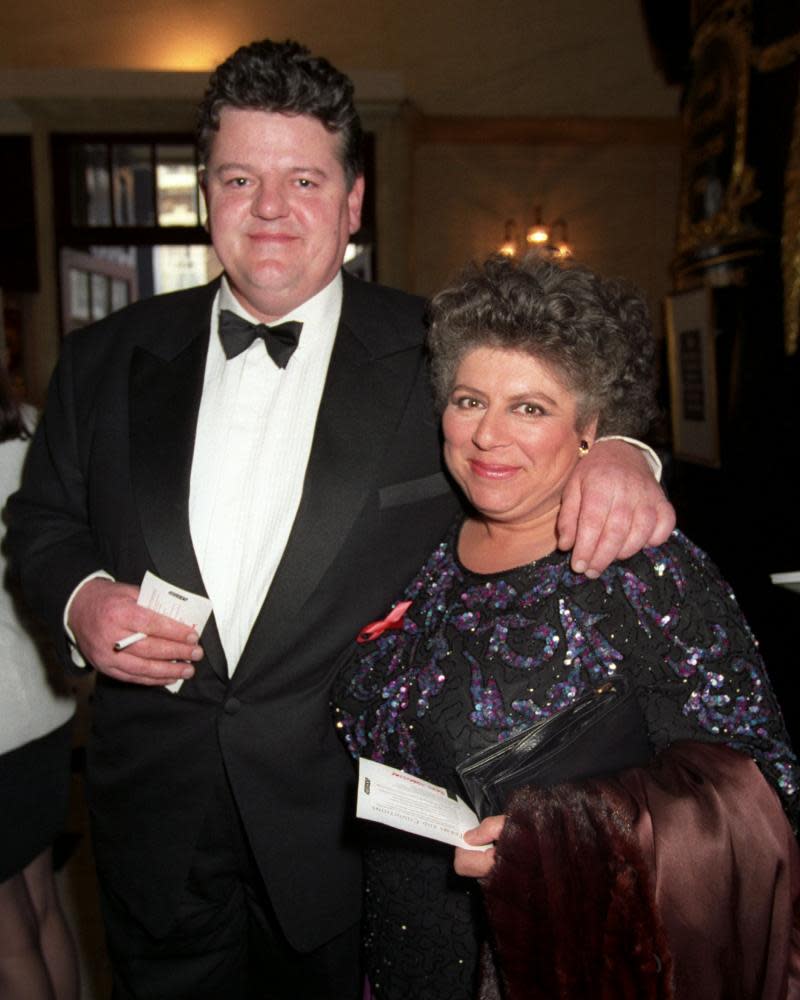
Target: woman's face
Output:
[(510, 437)]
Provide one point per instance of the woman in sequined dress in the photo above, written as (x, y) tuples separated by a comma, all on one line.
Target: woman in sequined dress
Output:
[(531, 363)]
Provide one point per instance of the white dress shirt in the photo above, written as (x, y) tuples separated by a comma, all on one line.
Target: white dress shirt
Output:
[(254, 433)]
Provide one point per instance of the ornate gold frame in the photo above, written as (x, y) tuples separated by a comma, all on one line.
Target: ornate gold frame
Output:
[(731, 23), (790, 241), (773, 57), (766, 60)]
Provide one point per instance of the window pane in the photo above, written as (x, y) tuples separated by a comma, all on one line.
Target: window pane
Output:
[(119, 294), (78, 306), (133, 185), (177, 267), (176, 186), (100, 296), (90, 189)]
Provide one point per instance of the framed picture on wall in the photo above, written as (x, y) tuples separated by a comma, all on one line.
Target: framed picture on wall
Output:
[(693, 376)]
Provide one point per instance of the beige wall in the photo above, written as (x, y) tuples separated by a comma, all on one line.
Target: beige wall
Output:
[(619, 202)]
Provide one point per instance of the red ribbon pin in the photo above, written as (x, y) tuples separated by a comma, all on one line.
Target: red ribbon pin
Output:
[(393, 620)]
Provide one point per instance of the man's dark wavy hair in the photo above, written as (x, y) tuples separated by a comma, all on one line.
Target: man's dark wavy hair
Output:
[(593, 332), (286, 78)]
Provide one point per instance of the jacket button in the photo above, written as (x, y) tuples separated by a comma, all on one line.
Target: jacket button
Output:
[(232, 706)]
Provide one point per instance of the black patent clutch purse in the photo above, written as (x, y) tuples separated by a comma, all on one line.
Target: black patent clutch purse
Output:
[(601, 732)]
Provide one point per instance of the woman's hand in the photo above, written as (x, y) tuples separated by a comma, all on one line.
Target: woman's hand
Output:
[(476, 864)]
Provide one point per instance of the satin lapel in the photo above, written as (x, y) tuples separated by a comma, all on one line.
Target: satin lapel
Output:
[(363, 400), (164, 401)]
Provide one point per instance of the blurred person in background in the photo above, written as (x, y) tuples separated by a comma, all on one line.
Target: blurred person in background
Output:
[(37, 954)]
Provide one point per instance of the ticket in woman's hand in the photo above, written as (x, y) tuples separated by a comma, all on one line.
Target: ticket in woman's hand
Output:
[(406, 802)]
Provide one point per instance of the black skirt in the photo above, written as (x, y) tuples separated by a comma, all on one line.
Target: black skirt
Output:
[(34, 789)]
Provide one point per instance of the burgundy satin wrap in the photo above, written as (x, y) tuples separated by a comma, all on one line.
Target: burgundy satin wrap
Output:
[(701, 846)]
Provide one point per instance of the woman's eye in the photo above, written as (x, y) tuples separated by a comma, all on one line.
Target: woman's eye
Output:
[(530, 409), (467, 402)]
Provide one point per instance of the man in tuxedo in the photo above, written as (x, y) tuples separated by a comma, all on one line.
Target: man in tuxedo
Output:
[(293, 476)]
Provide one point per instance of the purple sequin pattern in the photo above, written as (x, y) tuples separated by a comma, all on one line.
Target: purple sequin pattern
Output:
[(495, 652)]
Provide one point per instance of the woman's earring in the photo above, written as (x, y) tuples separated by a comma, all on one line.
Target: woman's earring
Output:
[(583, 448)]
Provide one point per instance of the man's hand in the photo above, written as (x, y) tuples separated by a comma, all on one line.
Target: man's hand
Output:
[(612, 508), (477, 864), (103, 612)]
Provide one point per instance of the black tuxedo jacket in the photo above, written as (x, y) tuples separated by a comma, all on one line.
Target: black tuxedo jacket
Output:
[(107, 486)]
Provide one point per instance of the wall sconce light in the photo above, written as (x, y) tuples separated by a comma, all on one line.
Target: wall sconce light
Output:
[(538, 234), (510, 242), (559, 239), (550, 239)]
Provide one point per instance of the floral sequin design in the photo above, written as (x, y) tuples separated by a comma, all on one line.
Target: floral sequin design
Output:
[(730, 699), (489, 613), (519, 646)]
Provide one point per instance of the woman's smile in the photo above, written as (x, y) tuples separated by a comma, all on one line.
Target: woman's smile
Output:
[(491, 470)]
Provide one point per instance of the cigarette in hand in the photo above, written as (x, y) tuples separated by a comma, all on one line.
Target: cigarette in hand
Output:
[(129, 640)]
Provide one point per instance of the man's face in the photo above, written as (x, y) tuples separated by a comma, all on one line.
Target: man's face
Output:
[(279, 210)]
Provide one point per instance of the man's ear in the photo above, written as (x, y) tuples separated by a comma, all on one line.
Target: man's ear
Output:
[(355, 198)]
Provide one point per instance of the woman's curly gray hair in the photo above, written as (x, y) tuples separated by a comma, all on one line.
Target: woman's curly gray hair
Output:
[(594, 333)]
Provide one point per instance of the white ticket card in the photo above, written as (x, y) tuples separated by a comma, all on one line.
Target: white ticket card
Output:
[(182, 605), (408, 803), (789, 580)]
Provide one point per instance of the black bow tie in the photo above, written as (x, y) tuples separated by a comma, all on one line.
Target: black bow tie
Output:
[(238, 334)]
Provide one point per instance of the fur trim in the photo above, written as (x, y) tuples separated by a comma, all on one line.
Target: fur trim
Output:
[(571, 901)]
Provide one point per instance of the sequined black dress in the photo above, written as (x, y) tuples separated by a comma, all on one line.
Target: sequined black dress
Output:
[(479, 657)]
